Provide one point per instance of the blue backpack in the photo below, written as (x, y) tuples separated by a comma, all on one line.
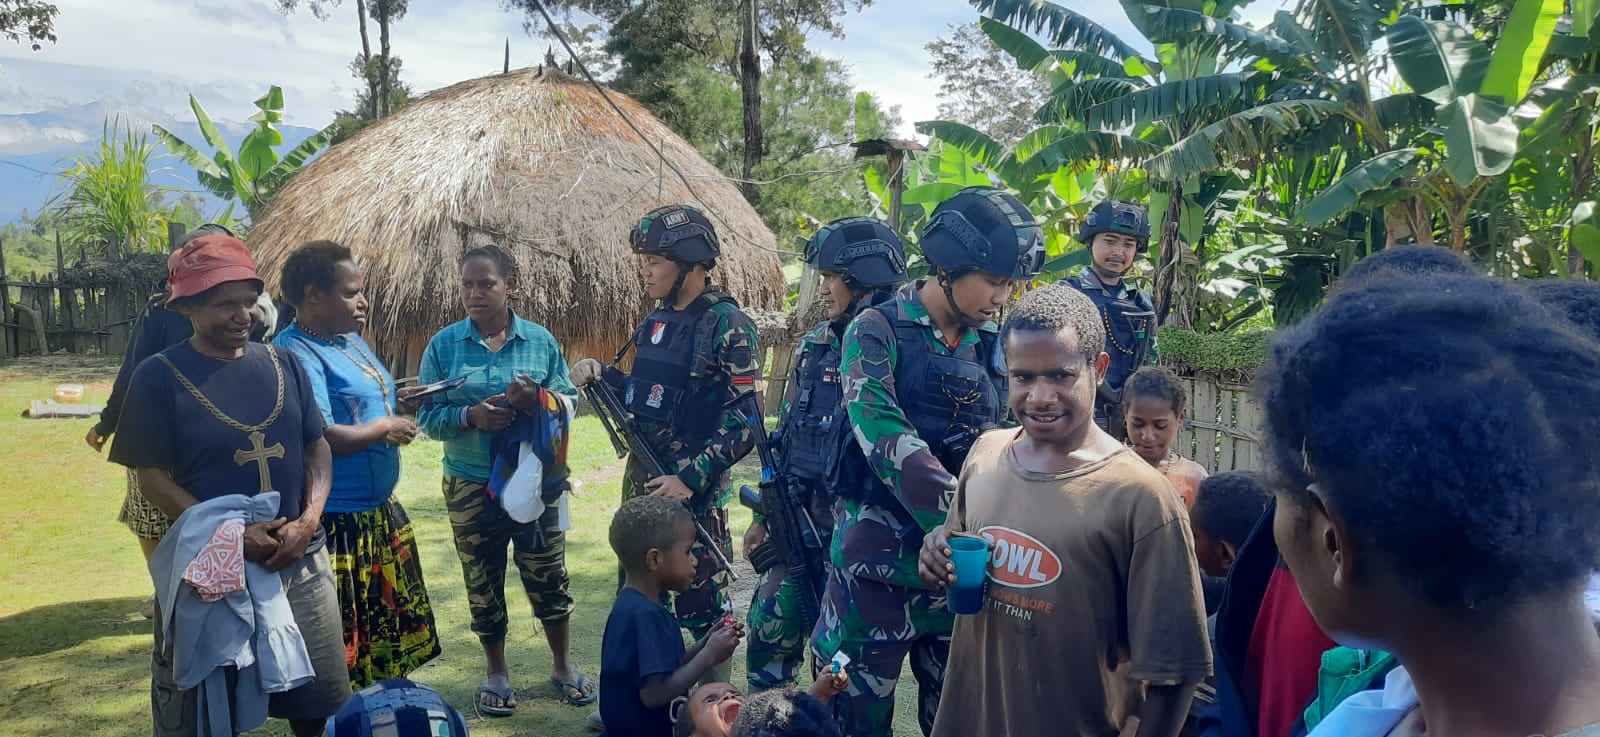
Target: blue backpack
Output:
[(397, 707)]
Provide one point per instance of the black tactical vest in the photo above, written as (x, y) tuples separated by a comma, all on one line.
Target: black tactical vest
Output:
[(666, 347), (810, 428), (1130, 331), (950, 401)]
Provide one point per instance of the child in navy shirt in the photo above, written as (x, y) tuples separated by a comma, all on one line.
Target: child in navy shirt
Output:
[(643, 664)]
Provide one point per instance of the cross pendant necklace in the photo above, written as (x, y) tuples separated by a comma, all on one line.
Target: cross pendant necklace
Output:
[(259, 452)]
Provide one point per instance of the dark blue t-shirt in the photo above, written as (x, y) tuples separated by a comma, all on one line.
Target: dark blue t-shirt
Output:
[(641, 640), (164, 426)]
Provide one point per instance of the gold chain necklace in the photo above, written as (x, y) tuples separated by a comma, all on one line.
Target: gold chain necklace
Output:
[(216, 411), (359, 359)]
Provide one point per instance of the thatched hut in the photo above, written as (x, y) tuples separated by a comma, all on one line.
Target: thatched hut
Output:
[(535, 161)]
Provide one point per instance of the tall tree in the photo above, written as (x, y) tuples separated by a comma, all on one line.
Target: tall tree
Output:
[(28, 21), (380, 73), (982, 86)]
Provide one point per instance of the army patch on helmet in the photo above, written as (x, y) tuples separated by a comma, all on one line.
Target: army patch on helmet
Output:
[(675, 218)]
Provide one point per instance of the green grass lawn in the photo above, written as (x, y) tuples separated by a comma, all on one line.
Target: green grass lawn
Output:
[(74, 654)]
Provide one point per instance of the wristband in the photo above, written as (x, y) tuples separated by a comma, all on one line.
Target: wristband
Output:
[(464, 423)]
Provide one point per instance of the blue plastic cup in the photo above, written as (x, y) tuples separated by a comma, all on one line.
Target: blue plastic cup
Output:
[(971, 558)]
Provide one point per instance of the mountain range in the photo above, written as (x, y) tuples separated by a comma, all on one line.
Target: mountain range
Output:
[(35, 146)]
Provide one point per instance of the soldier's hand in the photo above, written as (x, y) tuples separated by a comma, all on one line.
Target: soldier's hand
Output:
[(933, 563), (584, 372), (489, 417), (95, 440), (670, 487), (754, 537)]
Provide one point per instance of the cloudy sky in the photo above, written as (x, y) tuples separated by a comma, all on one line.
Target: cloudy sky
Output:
[(143, 57)]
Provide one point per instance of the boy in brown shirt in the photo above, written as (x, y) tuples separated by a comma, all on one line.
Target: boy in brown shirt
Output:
[(1093, 623)]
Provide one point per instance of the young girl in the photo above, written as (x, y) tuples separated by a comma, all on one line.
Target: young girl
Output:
[(1154, 408), (1433, 503)]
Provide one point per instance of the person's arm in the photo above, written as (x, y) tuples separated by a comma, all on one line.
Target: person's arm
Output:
[(660, 689), (438, 417), (295, 536), (161, 490), (558, 376), (1164, 710), (740, 362), (119, 388), (896, 454)]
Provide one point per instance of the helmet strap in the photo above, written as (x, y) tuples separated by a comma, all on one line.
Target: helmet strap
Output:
[(677, 284), (945, 283)]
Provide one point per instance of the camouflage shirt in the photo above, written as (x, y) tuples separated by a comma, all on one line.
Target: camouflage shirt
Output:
[(870, 542), (730, 366)]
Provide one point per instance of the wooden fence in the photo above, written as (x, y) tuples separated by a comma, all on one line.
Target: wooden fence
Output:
[(40, 314), (1223, 431)]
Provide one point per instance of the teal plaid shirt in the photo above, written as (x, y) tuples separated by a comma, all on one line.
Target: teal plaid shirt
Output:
[(458, 350)]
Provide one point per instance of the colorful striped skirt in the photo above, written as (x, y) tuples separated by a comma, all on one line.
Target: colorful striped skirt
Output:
[(388, 622)]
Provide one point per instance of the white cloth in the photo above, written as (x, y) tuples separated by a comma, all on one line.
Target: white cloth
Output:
[(1371, 713)]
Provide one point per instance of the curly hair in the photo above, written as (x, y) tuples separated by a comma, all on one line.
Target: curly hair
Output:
[(1229, 504), (1053, 307), (784, 713), (1411, 260), (645, 523), (1577, 301), (503, 263), (1154, 381), (311, 265), (1438, 422)]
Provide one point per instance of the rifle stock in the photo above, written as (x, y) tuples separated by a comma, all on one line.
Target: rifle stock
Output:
[(627, 439)]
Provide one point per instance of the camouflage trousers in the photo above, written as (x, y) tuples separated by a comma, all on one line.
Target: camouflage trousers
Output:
[(700, 606), (483, 532), (878, 625), (777, 634)]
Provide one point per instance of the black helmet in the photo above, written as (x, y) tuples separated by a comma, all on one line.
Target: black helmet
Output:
[(1116, 216), (679, 232), (865, 250), (984, 229)]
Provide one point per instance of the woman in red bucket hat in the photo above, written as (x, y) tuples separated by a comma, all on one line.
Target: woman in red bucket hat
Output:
[(209, 422)]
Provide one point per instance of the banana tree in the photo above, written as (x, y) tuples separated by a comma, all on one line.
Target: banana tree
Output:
[(255, 172)]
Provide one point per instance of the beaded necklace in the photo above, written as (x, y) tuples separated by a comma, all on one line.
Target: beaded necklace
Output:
[(364, 364)]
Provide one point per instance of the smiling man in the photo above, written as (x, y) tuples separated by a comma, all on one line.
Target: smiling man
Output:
[(1093, 625), (1116, 233)]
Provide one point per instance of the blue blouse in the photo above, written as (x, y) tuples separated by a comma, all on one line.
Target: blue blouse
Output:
[(347, 395)]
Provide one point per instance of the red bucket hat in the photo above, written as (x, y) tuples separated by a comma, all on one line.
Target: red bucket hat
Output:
[(206, 262)]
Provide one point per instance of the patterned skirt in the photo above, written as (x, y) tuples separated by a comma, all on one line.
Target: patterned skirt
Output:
[(388, 622), (142, 517)]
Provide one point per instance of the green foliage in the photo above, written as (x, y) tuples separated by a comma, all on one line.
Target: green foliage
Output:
[(255, 172), (28, 21), (1230, 357), (109, 202)]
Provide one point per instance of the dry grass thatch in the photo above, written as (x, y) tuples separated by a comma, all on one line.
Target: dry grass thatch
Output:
[(534, 161)]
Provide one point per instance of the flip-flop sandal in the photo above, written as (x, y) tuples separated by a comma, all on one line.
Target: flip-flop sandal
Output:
[(507, 696), (579, 683)]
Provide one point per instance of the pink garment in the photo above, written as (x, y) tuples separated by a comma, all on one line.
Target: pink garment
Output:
[(219, 568)]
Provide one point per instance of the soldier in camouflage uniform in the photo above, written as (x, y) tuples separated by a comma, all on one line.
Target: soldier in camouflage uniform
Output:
[(923, 378), (1115, 233), (693, 355), (861, 260)]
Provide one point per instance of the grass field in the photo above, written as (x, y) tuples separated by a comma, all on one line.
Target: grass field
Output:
[(74, 653)]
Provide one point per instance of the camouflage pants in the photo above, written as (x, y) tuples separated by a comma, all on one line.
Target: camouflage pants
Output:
[(699, 607), (878, 624), (482, 532), (778, 635)]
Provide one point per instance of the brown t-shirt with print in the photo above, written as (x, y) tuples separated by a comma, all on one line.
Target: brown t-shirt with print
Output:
[(1093, 588)]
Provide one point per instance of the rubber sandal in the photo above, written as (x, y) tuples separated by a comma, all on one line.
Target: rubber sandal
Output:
[(579, 683), (507, 696)]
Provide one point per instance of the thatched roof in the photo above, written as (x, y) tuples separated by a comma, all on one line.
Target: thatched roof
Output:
[(534, 161)]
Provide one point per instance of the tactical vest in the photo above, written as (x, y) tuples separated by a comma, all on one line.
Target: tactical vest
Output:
[(659, 390), (810, 428), (948, 400), (1130, 331)]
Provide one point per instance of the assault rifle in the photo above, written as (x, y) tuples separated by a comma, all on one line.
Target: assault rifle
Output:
[(627, 439), (793, 541)]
